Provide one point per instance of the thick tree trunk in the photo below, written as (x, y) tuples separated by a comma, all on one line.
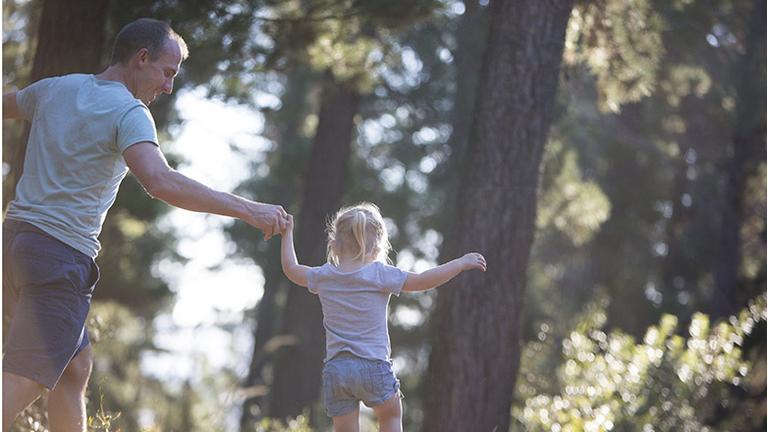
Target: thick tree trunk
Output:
[(476, 354), (70, 39), (298, 372)]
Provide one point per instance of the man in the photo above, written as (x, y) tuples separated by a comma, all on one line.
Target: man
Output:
[(87, 132)]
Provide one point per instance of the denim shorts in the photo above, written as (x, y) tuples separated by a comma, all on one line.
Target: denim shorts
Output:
[(347, 380), (47, 287)]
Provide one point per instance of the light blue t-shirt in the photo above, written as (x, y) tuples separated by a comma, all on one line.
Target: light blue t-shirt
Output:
[(355, 307), (74, 162)]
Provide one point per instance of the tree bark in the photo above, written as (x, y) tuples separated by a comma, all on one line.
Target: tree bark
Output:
[(476, 354), (298, 372), (71, 38)]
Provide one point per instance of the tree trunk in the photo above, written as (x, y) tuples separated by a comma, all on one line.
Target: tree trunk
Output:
[(276, 285), (70, 39), (298, 373), (748, 149), (475, 358)]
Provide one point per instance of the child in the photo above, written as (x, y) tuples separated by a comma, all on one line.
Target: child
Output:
[(354, 289)]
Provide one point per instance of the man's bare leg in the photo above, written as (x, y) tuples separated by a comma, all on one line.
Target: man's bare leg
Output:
[(18, 394), (66, 402)]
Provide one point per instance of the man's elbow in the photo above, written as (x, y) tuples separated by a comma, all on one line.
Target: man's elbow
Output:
[(158, 187)]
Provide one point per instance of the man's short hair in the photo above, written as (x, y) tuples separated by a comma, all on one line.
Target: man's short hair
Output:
[(146, 33)]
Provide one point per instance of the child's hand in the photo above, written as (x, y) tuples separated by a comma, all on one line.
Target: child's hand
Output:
[(473, 260), (289, 224)]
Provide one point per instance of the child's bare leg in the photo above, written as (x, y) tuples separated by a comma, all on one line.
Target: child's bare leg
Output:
[(348, 422), (390, 415)]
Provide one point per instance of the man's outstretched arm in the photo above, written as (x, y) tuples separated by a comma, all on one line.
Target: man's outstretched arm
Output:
[(149, 166)]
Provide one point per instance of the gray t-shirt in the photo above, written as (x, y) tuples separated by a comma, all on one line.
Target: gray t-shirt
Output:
[(74, 162), (355, 307)]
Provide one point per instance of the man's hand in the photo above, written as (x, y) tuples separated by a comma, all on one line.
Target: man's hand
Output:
[(271, 219)]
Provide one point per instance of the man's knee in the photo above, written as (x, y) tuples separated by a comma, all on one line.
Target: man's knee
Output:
[(78, 370)]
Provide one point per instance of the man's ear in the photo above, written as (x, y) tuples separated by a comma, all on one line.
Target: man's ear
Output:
[(142, 57)]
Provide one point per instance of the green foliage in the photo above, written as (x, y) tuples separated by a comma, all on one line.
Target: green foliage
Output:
[(104, 418), (350, 38), (574, 207), (683, 80), (349, 60), (606, 381), (659, 163), (620, 41)]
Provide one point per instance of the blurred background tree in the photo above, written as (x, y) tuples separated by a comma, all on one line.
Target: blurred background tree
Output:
[(650, 203)]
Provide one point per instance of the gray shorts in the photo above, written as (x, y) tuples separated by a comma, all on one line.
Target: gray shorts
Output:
[(47, 288), (347, 380)]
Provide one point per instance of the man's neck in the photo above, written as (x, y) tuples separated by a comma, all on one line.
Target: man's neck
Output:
[(112, 73), (117, 74)]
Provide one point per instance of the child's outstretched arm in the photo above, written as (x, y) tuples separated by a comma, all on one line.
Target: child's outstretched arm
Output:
[(296, 272), (441, 274)]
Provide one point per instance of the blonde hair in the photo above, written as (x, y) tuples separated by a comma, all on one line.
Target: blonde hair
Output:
[(358, 231)]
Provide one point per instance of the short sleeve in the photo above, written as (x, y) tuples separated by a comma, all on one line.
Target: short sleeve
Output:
[(26, 98), (392, 278), (312, 279), (137, 125)]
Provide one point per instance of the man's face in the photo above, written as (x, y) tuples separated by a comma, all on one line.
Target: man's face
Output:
[(157, 76)]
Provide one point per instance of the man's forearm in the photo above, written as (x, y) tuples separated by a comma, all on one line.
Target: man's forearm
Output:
[(148, 164), (181, 191)]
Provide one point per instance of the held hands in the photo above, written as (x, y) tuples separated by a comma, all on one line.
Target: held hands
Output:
[(269, 218), (472, 260)]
